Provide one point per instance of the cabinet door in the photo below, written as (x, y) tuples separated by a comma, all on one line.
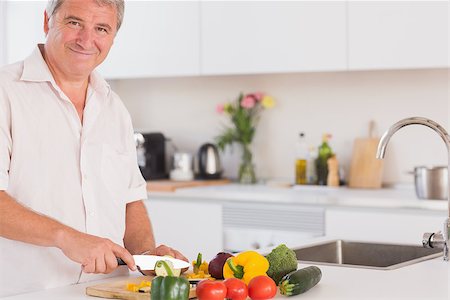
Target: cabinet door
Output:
[(398, 34), (189, 227), (250, 226), (382, 226), (268, 36), (157, 38), (24, 28)]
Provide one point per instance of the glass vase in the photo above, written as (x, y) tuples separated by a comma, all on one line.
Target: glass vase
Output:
[(247, 168)]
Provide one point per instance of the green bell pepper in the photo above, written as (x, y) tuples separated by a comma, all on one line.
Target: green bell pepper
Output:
[(169, 287)]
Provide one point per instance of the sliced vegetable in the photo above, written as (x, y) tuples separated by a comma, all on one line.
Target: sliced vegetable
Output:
[(143, 285), (215, 267), (211, 290), (162, 267), (262, 288), (300, 281), (246, 266), (236, 289), (199, 275), (170, 288), (200, 265)]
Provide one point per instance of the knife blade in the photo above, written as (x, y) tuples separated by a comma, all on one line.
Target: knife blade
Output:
[(147, 262)]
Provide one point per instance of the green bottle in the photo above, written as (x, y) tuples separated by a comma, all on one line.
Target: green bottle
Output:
[(324, 154)]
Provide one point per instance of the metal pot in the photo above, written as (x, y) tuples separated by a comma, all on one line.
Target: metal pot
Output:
[(431, 183)]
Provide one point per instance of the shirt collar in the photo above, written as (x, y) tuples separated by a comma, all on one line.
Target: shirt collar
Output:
[(35, 69)]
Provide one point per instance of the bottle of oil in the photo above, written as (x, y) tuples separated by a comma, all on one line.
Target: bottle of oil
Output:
[(311, 174), (324, 154), (301, 160)]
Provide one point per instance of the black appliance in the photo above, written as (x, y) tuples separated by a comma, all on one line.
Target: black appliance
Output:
[(151, 154), (208, 160)]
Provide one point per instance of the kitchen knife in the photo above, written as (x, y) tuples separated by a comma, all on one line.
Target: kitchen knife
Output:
[(147, 262)]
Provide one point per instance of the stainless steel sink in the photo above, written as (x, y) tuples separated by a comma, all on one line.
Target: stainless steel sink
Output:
[(364, 255)]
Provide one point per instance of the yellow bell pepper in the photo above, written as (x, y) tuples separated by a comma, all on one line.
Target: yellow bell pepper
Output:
[(246, 266)]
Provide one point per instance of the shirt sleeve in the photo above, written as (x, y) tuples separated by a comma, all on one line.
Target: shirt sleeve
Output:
[(5, 139), (137, 189)]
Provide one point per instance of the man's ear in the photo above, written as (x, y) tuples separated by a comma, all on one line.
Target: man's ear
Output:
[(46, 21)]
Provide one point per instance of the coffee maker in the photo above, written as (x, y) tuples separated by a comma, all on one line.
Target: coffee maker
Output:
[(151, 155)]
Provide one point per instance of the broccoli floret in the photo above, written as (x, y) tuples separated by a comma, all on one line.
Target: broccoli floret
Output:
[(282, 261)]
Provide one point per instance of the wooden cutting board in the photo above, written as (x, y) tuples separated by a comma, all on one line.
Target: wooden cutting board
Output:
[(171, 186), (365, 169), (117, 290)]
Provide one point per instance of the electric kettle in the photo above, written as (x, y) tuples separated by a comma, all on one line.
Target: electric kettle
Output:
[(208, 164)]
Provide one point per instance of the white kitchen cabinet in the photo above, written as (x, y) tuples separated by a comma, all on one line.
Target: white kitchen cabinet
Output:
[(241, 37), (157, 39), (187, 226), (23, 28), (392, 226), (250, 226), (398, 34)]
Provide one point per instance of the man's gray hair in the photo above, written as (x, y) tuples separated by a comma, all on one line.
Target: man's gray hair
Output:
[(54, 5)]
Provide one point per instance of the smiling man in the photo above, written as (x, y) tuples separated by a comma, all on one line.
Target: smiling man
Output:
[(70, 188)]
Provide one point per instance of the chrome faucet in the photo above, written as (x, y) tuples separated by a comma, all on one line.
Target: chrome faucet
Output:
[(430, 240)]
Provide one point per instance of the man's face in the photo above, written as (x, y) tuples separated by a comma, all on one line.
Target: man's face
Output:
[(79, 36)]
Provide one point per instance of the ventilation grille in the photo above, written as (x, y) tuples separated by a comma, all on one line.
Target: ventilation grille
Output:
[(274, 217)]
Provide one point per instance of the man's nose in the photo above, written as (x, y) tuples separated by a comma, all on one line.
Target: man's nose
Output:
[(86, 37)]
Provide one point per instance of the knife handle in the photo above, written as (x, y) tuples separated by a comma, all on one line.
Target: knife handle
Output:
[(120, 262)]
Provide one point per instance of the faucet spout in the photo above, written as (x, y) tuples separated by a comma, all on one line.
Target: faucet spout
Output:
[(381, 151)]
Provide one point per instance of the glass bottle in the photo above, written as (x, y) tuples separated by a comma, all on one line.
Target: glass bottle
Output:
[(323, 155), (301, 160)]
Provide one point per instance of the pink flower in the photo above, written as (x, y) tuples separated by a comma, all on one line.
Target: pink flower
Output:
[(258, 96), (220, 108), (248, 101)]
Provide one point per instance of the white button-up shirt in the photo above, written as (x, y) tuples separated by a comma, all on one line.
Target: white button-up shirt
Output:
[(82, 175)]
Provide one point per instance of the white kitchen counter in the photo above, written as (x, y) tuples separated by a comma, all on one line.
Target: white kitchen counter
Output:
[(425, 280), (399, 198)]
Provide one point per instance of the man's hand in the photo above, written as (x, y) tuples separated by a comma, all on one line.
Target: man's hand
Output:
[(166, 250), (162, 250), (95, 254)]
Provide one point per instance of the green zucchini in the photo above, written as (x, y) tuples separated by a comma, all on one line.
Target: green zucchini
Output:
[(300, 281)]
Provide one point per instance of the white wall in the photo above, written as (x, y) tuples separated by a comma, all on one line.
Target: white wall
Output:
[(2, 34), (339, 103)]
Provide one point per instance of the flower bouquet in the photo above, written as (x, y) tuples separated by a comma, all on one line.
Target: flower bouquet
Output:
[(244, 114)]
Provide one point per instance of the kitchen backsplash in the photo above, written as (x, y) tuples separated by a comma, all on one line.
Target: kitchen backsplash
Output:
[(341, 103)]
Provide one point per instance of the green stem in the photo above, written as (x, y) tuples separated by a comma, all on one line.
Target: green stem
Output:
[(246, 153), (165, 265), (238, 271), (198, 263)]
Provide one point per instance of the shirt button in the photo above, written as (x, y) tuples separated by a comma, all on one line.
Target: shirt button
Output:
[(91, 214)]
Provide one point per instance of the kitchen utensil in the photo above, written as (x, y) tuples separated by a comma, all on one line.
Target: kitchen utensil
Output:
[(431, 183), (208, 160), (182, 167), (151, 155), (117, 289), (365, 169), (147, 262)]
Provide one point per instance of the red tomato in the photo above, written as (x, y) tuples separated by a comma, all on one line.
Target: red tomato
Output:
[(236, 289), (262, 288), (211, 290)]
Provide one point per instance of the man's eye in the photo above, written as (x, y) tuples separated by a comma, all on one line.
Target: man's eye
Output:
[(74, 23), (102, 30)]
